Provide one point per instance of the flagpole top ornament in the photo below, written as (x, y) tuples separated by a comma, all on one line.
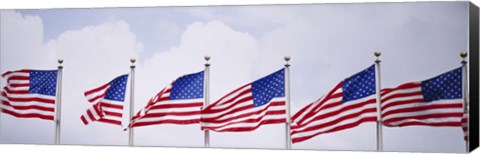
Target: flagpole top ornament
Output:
[(207, 58), (287, 58), (132, 60), (378, 54), (60, 61), (463, 54)]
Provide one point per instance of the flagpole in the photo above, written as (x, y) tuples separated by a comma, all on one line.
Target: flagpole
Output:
[(206, 82), (132, 79), (288, 139), (464, 54), (379, 107), (58, 102)]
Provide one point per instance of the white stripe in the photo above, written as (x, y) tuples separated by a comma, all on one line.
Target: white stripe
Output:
[(177, 102), (337, 116), (220, 112), (250, 125), (30, 96), (428, 121), (251, 110), (169, 117), (21, 88), (30, 103), (321, 110), (255, 116), (423, 113), (20, 74), (224, 100), (29, 111), (402, 91), (344, 122), (168, 110), (18, 82), (112, 118), (422, 104), (96, 94), (310, 108)]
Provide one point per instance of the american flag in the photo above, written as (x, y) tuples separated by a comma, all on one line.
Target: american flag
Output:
[(248, 107), (351, 103), (107, 102), (433, 102), (30, 94), (179, 103)]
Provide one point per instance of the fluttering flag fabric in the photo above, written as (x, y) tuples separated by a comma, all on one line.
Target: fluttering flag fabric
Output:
[(349, 104), (433, 102), (465, 126), (30, 93), (179, 103), (107, 102), (248, 107)]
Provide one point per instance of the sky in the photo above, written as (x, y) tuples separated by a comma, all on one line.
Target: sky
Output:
[(327, 43)]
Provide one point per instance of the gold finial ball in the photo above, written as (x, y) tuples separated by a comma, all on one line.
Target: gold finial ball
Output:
[(287, 58), (60, 61), (463, 54), (378, 53), (132, 60), (207, 57)]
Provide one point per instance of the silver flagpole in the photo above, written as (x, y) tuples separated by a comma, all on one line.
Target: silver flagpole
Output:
[(464, 54), (288, 139), (379, 107), (206, 81), (58, 102), (132, 85)]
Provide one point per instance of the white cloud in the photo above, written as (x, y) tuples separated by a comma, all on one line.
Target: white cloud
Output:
[(93, 56)]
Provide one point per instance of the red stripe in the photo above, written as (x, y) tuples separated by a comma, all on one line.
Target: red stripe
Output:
[(336, 121), (331, 95), (243, 129), (231, 93), (85, 122), (96, 89), (29, 115), (167, 106), (17, 85), (230, 104), (185, 113), (33, 99), (6, 89), (115, 122), (17, 71), (402, 102), (346, 107), (90, 115), (339, 128), (422, 108), (109, 105), (18, 78), (422, 117), (92, 100), (178, 122), (114, 114), (209, 110), (436, 124), (301, 111), (409, 85), (402, 95), (215, 119), (36, 107)]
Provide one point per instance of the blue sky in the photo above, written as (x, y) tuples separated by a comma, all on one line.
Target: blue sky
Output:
[(327, 42)]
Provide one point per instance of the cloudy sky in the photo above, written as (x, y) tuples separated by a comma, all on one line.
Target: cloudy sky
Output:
[(327, 43)]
